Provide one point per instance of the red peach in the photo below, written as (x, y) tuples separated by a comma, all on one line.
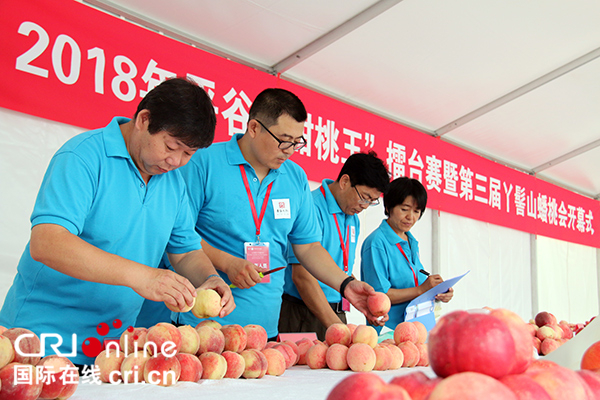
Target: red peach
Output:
[(133, 339), (423, 355), (190, 339), (214, 365), (352, 328), (109, 365), (162, 370), (235, 364), (362, 386), (383, 358), (208, 322), (28, 343), (592, 380), (537, 344), (379, 304), (212, 340), (365, 334), (316, 356), (545, 318), (567, 331), (532, 329), (397, 356), (303, 345), (422, 336), (208, 304), (191, 367), (546, 332), (132, 367), (7, 353), (20, 389), (166, 337), (361, 357), (549, 345), (560, 383), (3, 329), (270, 345), (335, 357), (520, 335), (256, 364), (471, 386), (406, 332), (591, 358), (524, 387), (338, 333), (417, 384), (60, 377), (257, 337), (235, 338), (275, 362), (411, 354), (288, 354), (295, 348)]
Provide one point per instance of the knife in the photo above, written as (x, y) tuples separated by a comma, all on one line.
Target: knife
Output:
[(262, 274)]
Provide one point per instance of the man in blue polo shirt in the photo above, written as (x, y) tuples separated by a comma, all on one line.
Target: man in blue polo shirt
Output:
[(250, 200), (308, 305), (108, 207)]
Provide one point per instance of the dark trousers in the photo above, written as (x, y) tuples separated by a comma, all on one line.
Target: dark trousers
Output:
[(296, 317)]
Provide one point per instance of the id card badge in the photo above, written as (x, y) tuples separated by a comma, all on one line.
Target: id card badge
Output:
[(345, 305), (258, 254)]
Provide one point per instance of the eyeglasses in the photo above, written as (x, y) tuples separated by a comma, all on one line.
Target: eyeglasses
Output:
[(364, 201), (284, 145)]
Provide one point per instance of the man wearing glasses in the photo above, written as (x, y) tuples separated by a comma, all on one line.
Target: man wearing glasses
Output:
[(308, 305), (250, 200)]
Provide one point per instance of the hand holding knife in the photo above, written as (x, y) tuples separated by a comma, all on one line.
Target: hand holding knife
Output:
[(262, 274)]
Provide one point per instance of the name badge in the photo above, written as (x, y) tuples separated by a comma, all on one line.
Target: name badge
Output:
[(258, 254), (281, 208), (353, 234)]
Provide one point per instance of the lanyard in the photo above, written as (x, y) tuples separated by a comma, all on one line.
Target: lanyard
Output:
[(345, 247), (257, 220), (409, 264)]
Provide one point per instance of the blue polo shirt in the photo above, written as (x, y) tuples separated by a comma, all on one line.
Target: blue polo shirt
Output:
[(224, 219), (93, 189), (384, 267), (326, 207)]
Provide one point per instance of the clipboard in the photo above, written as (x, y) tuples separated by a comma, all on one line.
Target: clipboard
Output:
[(421, 308)]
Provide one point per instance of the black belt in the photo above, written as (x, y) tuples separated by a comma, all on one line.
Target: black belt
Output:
[(336, 307)]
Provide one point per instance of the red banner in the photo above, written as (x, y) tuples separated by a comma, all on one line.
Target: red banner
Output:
[(70, 63)]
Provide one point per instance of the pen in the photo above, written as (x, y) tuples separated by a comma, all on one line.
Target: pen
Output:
[(424, 272)]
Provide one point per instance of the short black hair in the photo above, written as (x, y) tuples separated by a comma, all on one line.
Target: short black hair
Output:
[(182, 108), (400, 189), (272, 103), (366, 169)]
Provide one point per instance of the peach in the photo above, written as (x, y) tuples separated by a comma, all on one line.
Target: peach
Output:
[(60, 377), (352, 328), (209, 322), (362, 386), (235, 364), (379, 304), (546, 332), (212, 340), (108, 364), (524, 387), (288, 354), (132, 367), (406, 332), (335, 357), (190, 339), (133, 339), (235, 338), (532, 329), (166, 337), (417, 384), (566, 329), (208, 304), (422, 331), (365, 334), (471, 386), (520, 335), (423, 355), (275, 362), (21, 389), (256, 337), (545, 318), (214, 365), (361, 357), (7, 353), (183, 309), (397, 356), (256, 364), (411, 354), (191, 367), (537, 345), (591, 357), (269, 345), (383, 358), (303, 345), (560, 383), (316, 356), (295, 348), (338, 333), (162, 370), (592, 379), (3, 329), (28, 343), (549, 345)]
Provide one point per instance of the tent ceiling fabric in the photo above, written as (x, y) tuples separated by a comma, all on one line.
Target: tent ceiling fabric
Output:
[(516, 82)]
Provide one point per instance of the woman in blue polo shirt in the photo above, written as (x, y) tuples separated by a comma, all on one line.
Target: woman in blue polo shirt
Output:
[(390, 254)]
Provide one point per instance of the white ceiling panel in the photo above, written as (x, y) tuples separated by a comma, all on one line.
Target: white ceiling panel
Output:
[(579, 173)]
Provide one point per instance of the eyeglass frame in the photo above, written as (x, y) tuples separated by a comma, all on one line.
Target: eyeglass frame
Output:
[(364, 201), (296, 145)]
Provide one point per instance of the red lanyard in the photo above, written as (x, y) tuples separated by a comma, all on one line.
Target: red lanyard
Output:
[(345, 247), (409, 264), (257, 220)]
